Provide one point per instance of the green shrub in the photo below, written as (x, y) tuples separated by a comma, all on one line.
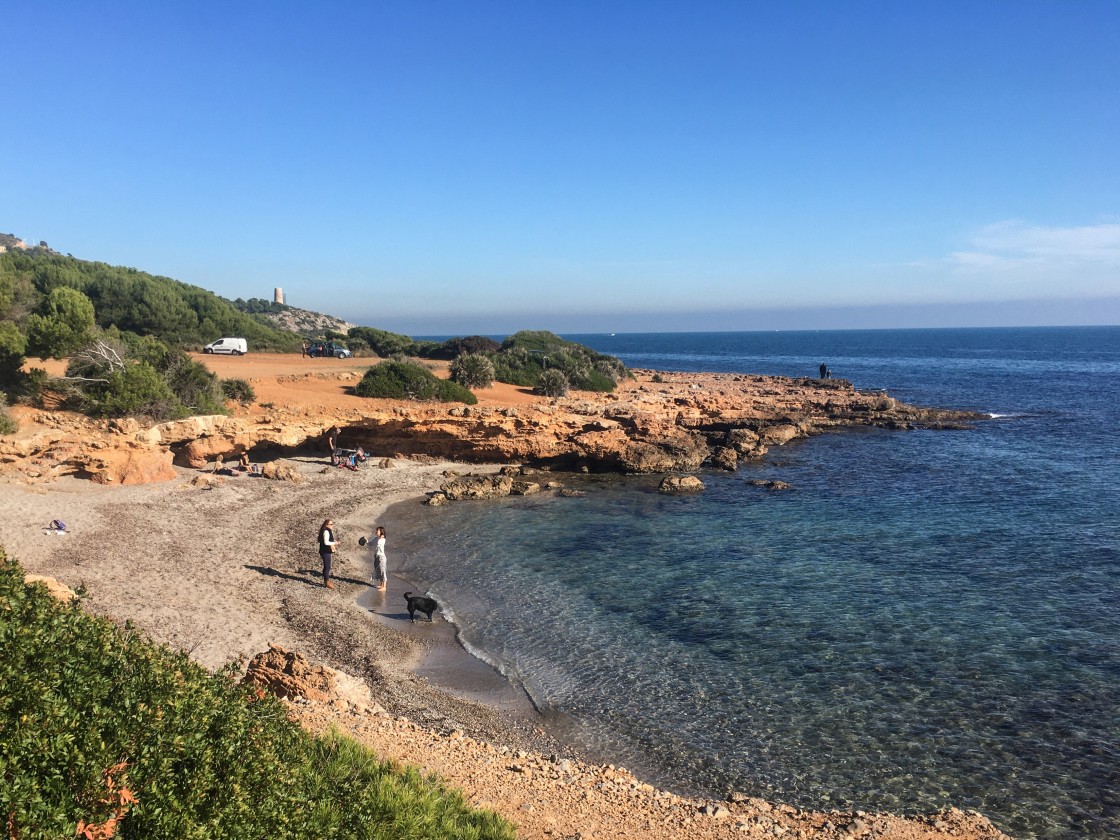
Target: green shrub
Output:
[(136, 389), (525, 356), (401, 380), (120, 375), (240, 390), (455, 347), (473, 370), (8, 424), (552, 383), (383, 343), (13, 344), (62, 323), (98, 723)]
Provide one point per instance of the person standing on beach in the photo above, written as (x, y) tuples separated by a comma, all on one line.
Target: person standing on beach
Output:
[(327, 542), (824, 370), (381, 569)]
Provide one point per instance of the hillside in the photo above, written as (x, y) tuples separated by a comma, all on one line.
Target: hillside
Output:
[(127, 299), (292, 318)]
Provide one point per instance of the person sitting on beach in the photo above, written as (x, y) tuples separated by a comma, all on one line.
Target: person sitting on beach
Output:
[(243, 462)]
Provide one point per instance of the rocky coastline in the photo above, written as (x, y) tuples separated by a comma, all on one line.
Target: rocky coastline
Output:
[(224, 567), (654, 423)]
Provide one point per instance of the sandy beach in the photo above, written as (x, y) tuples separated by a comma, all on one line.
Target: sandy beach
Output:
[(225, 569)]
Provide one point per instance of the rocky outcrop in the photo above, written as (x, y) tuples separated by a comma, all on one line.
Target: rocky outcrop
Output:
[(56, 588), (673, 484), (770, 485), (289, 674), (67, 444), (671, 422), (131, 465), (477, 487)]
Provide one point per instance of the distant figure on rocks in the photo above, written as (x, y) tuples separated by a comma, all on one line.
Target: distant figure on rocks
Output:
[(824, 371), (327, 543), (380, 562)]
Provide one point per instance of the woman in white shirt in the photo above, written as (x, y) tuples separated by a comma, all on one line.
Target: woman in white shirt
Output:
[(379, 561)]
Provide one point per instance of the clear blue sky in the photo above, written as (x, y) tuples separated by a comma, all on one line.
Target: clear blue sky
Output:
[(458, 167)]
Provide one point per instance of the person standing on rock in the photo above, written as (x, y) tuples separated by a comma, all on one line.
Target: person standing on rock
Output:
[(327, 542), (380, 567), (824, 370)]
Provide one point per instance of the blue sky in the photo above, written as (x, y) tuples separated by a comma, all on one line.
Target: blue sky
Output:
[(459, 167)]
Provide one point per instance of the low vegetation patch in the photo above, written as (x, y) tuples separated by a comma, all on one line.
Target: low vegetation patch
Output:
[(105, 734), (400, 380), (473, 370), (525, 356), (8, 424), (120, 374), (240, 390)]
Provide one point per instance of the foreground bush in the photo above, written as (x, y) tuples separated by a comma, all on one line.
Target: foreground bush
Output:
[(409, 381), (105, 734)]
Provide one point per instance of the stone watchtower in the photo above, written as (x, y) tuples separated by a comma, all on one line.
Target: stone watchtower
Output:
[(278, 295)]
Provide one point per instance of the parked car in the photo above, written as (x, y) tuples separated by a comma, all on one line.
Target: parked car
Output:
[(329, 348), (231, 346)]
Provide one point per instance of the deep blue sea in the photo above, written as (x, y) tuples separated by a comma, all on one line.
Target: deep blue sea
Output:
[(928, 618)]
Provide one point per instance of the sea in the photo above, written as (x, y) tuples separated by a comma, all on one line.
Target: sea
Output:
[(926, 619)]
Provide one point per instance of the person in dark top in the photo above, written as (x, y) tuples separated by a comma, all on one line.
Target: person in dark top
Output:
[(327, 543), (824, 371)]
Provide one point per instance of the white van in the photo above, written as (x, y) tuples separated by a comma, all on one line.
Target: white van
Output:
[(233, 346)]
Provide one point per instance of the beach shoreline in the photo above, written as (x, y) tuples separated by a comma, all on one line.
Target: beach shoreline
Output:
[(226, 567)]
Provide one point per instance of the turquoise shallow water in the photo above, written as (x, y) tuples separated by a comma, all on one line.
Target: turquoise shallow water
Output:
[(927, 618)]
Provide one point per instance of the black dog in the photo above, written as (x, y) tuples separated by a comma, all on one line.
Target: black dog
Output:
[(420, 603)]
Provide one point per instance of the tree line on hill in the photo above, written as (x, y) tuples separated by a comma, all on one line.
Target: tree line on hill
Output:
[(125, 333)]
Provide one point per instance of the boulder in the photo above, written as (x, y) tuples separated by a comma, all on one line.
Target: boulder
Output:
[(770, 485), (477, 487), (780, 434), (726, 458), (680, 484), (279, 471), (289, 674), (744, 441), (132, 465), (57, 589), (524, 488)]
